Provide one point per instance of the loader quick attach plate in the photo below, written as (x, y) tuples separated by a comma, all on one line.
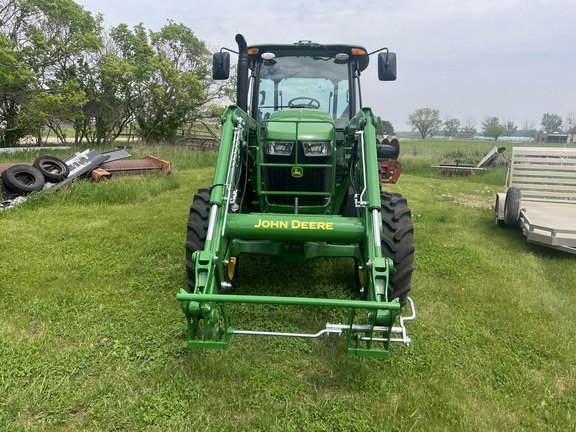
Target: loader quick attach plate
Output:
[(370, 338)]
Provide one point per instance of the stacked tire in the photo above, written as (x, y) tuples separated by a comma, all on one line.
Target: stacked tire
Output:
[(24, 179)]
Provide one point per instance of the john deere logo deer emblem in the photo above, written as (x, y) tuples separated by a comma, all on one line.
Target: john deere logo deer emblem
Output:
[(297, 172)]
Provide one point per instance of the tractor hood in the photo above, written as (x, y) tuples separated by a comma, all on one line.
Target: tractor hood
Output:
[(300, 124)]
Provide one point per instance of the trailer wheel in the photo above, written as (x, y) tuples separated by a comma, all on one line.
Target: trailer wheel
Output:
[(512, 207), (22, 179), (53, 169), (398, 244), (196, 239)]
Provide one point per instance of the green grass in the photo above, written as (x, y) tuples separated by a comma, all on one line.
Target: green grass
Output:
[(92, 337)]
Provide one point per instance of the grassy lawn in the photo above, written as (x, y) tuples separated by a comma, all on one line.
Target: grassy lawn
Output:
[(92, 337)]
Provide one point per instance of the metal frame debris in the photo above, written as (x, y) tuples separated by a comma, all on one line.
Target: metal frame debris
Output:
[(86, 164)]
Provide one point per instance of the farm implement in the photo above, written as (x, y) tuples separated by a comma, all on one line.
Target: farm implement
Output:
[(297, 177)]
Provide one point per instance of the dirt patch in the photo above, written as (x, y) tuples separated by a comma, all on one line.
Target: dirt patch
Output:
[(468, 200)]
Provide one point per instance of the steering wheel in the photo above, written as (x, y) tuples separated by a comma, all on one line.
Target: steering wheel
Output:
[(311, 102)]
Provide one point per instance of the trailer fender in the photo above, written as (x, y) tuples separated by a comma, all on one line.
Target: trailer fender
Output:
[(499, 209)]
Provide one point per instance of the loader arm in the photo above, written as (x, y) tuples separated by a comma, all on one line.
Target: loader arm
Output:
[(230, 233)]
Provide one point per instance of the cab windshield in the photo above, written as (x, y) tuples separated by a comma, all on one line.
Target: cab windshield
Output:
[(304, 82)]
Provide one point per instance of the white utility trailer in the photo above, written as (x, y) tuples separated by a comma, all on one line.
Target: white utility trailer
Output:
[(541, 196)]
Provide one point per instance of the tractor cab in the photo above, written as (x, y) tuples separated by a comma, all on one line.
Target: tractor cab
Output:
[(302, 96), (304, 75)]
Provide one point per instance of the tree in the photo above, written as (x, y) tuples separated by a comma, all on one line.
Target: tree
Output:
[(384, 127), (425, 120), (529, 127), (551, 123), (571, 123), (451, 127), (469, 125), (50, 39), (511, 128), (162, 96), (379, 126), (491, 127), (110, 90), (177, 43), (16, 91), (59, 68), (388, 128)]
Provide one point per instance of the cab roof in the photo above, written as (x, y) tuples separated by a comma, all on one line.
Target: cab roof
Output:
[(309, 48)]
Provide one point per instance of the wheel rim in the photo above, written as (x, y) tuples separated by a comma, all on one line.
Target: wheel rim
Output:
[(50, 166), (25, 178)]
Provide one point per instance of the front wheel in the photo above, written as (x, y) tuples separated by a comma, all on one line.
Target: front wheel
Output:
[(398, 244), (196, 240), (197, 231)]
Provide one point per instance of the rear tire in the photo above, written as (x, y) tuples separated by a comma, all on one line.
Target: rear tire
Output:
[(512, 207), (398, 244)]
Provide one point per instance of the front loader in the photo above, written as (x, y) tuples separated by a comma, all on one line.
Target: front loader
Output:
[(298, 177)]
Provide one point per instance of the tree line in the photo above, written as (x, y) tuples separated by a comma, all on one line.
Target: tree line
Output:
[(60, 69), (427, 122)]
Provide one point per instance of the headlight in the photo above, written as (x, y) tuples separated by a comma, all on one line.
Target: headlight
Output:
[(279, 148), (317, 148)]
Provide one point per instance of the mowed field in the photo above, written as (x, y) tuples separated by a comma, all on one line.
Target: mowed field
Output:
[(92, 337)]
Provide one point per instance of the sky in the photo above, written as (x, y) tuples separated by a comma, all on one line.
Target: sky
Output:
[(511, 59)]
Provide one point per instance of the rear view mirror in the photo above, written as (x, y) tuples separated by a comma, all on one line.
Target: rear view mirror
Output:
[(387, 66), (221, 65)]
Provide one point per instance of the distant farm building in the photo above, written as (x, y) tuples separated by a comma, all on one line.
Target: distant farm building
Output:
[(558, 138)]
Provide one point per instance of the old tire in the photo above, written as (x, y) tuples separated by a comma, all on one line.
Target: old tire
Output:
[(22, 179), (512, 207), (52, 168), (398, 244)]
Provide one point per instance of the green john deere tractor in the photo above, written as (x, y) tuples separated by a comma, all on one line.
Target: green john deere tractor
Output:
[(298, 177)]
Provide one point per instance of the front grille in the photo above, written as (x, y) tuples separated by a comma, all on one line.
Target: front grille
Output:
[(314, 179)]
